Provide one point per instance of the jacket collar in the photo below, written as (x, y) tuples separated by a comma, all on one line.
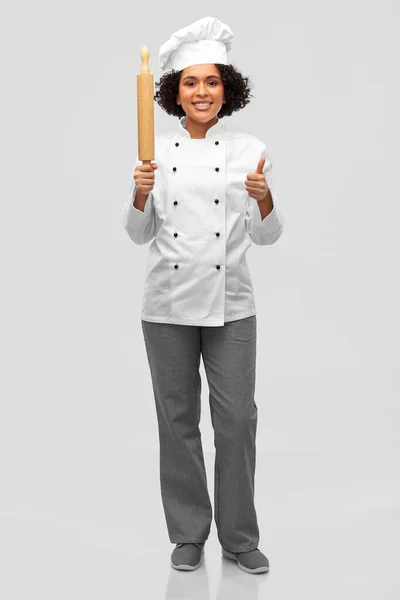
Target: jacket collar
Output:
[(212, 131)]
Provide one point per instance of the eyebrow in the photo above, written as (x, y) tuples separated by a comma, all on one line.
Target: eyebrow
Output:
[(193, 77)]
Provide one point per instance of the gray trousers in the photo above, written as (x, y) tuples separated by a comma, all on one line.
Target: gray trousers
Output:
[(229, 357)]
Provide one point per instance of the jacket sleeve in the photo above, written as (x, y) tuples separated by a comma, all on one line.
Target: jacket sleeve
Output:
[(265, 231), (140, 226)]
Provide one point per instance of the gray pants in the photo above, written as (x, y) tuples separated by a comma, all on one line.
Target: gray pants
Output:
[(229, 357)]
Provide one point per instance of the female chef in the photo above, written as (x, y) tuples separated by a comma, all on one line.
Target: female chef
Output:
[(210, 198)]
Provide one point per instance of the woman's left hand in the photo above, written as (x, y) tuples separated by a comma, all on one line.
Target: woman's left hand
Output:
[(256, 184)]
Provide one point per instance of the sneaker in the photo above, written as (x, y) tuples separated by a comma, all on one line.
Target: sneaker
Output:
[(251, 562), (187, 556)]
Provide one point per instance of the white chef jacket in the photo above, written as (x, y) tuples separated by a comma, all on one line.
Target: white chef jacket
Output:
[(201, 221)]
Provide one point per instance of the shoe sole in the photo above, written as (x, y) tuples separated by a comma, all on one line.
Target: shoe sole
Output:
[(184, 567), (232, 556)]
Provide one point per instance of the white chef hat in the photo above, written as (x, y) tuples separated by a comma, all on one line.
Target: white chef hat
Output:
[(206, 41)]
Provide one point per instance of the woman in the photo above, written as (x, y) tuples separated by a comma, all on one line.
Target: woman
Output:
[(211, 197)]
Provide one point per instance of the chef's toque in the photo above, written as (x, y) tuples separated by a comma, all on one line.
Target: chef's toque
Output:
[(206, 41)]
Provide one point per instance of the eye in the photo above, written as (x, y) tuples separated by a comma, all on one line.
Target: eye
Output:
[(189, 83)]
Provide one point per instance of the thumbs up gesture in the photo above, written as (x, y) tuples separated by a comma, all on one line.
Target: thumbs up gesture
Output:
[(256, 184)]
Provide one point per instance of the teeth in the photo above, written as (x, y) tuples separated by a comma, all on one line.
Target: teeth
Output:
[(202, 103)]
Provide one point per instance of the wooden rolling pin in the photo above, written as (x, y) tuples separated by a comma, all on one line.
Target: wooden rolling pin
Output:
[(145, 107)]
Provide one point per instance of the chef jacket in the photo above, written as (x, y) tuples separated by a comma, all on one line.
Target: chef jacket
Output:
[(201, 221)]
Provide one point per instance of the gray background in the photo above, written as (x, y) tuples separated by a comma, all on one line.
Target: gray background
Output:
[(80, 505)]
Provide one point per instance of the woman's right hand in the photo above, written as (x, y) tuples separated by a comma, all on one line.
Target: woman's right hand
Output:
[(144, 178)]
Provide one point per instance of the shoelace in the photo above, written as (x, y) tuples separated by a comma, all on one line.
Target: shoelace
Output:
[(247, 552), (193, 543)]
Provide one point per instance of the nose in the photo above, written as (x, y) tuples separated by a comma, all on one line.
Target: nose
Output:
[(201, 89)]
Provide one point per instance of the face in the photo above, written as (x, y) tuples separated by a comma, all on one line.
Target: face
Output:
[(201, 83)]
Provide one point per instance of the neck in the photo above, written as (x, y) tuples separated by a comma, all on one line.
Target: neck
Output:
[(198, 130)]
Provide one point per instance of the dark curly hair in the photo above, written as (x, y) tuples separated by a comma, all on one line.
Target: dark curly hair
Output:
[(236, 89)]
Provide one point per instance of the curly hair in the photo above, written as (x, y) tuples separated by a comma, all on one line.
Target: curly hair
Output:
[(236, 89)]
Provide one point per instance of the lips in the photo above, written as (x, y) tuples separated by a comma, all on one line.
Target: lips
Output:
[(204, 107)]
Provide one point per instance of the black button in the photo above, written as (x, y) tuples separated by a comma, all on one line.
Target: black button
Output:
[(175, 201), (175, 266), (176, 143), (216, 201), (175, 234), (218, 267), (174, 168), (217, 234), (216, 143), (217, 168)]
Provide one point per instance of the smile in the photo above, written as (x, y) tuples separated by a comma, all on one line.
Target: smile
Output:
[(202, 105)]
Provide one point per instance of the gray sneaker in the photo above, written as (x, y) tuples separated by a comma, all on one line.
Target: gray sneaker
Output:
[(253, 561), (187, 556)]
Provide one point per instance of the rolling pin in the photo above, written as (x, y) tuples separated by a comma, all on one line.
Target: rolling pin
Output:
[(145, 108)]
